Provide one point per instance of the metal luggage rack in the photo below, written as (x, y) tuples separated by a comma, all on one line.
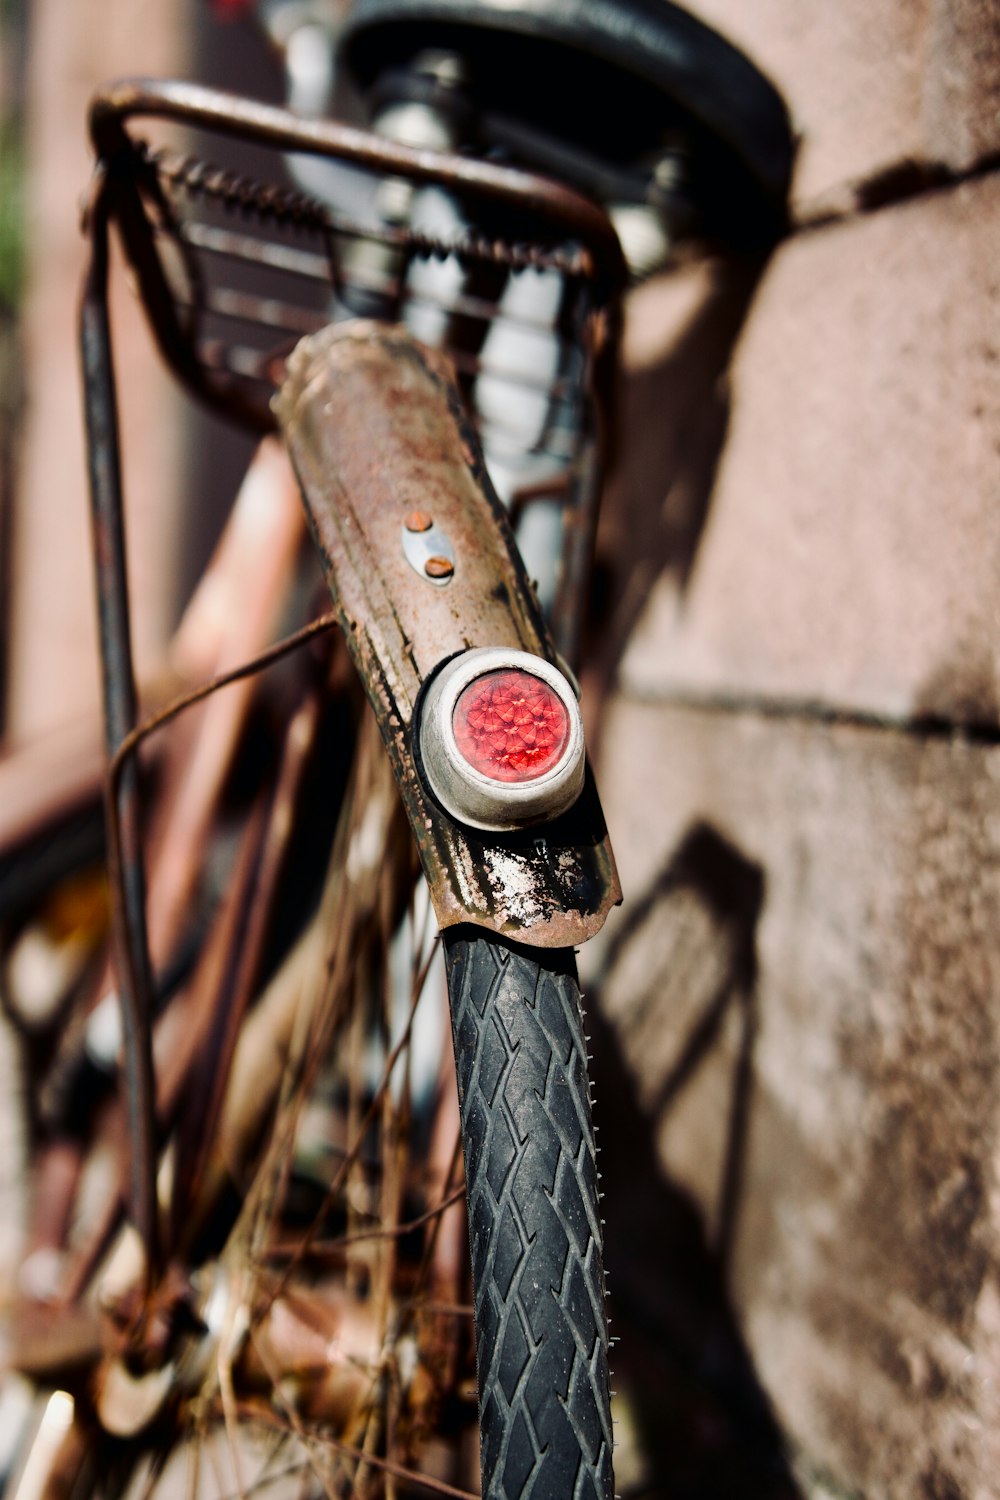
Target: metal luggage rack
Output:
[(234, 269)]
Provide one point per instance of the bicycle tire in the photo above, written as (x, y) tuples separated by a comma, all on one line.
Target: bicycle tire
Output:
[(531, 1183), (654, 66)]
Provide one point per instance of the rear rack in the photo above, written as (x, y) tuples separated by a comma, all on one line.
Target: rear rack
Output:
[(234, 269), (192, 229)]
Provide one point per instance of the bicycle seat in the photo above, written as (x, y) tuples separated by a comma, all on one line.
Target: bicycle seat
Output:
[(603, 93)]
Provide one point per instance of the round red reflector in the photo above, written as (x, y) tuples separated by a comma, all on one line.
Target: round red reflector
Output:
[(510, 725)]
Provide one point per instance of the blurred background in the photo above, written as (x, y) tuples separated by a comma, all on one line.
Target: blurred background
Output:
[(797, 1011), (54, 58)]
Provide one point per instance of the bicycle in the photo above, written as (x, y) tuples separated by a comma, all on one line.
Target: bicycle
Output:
[(290, 1292)]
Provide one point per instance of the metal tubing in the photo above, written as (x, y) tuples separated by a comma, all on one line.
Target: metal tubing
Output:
[(210, 109), (125, 856)]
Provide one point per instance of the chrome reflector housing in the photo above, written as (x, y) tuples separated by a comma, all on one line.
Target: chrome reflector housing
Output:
[(509, 754)]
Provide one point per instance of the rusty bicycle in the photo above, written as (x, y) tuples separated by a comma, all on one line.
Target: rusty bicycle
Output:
[(251, 1268)]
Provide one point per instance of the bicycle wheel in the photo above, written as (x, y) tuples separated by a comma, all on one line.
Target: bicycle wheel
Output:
[(309, 1324), (541, 1332), (311, 1328), (670, 90)]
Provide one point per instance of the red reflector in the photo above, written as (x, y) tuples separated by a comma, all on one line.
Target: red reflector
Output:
[(510, 725)]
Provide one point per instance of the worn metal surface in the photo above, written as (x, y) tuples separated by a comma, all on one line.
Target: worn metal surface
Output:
[(125, 853), (376, 430)]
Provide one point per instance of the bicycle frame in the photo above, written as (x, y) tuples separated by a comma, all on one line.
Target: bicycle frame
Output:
[(553, 885)]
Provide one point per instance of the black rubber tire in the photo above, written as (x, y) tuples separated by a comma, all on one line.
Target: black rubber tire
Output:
[(617, 77), (534, 1226)]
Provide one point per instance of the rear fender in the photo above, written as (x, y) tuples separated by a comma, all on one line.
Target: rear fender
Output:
[(378, 436)]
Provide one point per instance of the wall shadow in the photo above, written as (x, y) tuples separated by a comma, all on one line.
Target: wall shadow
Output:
[(670, 431), (703, 1426)]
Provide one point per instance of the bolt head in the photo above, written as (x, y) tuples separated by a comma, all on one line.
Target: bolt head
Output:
[(418, 520)]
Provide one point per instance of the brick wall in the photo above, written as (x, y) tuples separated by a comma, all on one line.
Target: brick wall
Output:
[(801, 770)]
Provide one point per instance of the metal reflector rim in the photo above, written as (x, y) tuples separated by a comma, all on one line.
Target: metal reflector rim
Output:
[(466, 793)]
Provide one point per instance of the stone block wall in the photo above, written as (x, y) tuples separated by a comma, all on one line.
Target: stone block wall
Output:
[(799, 1005)]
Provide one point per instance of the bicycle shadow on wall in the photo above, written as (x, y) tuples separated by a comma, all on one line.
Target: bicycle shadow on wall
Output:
[(673, 1017), (670, 431)]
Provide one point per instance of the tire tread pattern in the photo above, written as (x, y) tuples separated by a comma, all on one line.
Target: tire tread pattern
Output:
[(531, 1180)]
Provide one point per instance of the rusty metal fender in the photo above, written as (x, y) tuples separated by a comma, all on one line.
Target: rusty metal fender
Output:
[(378, 435)]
